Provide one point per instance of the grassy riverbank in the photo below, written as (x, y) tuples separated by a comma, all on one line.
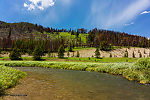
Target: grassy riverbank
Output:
[(9, 77), (139, 71)]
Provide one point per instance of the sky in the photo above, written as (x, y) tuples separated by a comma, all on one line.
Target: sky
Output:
[(130, 16)]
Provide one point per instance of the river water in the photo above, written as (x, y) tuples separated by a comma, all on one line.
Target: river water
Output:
[(58, 84)]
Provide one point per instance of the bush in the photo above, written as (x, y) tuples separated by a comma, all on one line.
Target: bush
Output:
[(15, 54)]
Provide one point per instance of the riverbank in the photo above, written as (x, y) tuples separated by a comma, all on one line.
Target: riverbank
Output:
[(59, 84), (138, 71), (9, 77)]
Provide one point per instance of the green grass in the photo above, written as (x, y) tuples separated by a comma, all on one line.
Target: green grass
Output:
[(104, 60), (69, 36), (81, 59), (139, 71), (9, 77), (92, 59)]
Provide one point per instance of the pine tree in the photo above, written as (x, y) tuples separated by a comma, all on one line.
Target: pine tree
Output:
[(73, 54), (138, 51), (49, 53), (133, 54), (140, 55), (15, 54), (77, 34), (38, 53), (126, 54), (70, 48), (68, 54), (110, 55), (144, 51), (78, 54), (72, 32), (97, 53), (61, 51)]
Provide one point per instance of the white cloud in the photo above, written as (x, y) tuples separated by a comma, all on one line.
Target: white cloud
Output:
[(145, 12), (108, 15), (39, 4), (129, 24)]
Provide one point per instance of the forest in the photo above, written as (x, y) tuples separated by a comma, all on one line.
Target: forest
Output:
[(27, 36)]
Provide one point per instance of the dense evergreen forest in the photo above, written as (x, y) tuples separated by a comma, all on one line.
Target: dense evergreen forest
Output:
[(27, 36)]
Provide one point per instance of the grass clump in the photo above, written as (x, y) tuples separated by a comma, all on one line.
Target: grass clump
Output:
[(143, 63), (9, 77)]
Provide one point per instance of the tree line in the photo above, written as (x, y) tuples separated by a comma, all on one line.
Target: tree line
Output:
[(96, 37)]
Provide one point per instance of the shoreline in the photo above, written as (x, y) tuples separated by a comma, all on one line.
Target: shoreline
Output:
[(130, 71)]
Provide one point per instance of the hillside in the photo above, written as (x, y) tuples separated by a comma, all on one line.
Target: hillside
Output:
[(52, 38)]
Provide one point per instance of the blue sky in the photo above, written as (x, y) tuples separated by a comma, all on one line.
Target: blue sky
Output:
[(131, 16)]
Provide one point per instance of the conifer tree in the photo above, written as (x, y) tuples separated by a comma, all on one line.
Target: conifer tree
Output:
[(97, 53), (144, 51), (73, 54), (38, 53), (78, 54), (15, 54), (110, 55), (133, 54), (61, 51), (126, 54), (77, 34), (70, 48), (68, 54), (140, 55), (49, 53)]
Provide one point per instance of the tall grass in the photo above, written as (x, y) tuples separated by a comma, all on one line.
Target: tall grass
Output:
[(139, 71), (9, 77)]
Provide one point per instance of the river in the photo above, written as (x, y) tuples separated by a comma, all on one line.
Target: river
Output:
[(58, 84)]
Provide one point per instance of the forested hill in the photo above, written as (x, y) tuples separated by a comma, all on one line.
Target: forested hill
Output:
[(21, 30), (11, 32)]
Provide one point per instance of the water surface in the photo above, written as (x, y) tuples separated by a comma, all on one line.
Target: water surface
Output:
[(58, 84)]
